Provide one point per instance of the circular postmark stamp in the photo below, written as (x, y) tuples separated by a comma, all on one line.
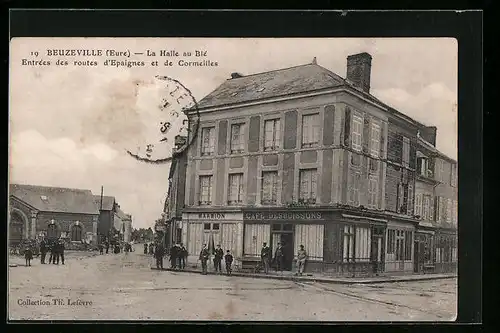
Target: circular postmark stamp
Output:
[(170, 114)]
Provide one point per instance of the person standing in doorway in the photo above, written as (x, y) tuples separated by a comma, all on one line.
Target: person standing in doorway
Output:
[(183, 256), (173, 256), (159, 253), (204, 257), (265, 256), (278, 258), (228, 258), (218, 256), (301, 259), (43, 251)]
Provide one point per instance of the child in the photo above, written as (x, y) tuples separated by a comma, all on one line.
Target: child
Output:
[(28, 255), (229, 260)]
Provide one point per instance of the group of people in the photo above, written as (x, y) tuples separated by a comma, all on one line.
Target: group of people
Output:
[(218, 256), (55, 248), (178, 254), (279, 258), (115, 247)]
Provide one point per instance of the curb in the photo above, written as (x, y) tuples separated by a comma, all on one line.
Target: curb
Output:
[(316, 280)]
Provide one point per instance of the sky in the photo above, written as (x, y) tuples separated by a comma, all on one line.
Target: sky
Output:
[(71, 126)]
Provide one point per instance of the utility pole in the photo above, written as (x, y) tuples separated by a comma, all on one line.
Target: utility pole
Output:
[(100, 210)]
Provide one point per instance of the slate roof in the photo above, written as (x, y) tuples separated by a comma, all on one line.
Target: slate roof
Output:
[(107, 202), (55, 199), (275, 83)]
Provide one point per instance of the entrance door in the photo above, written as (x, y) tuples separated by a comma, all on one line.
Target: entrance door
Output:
[(376, 254), (417, 252), (287, 243)]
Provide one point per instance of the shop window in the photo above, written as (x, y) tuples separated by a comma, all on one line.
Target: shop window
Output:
[(400, 239), (276, 227), (363, 244), (215, 226), (288, 227), (206, 226), (408, 245)]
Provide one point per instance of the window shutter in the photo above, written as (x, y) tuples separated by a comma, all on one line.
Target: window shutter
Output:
[(410, 200), (382, 140), (366, 134), (347, 127)]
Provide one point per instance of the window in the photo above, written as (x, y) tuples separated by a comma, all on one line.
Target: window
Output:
[(354, 186), (374, 165), (400, 239), (206, 226), (310, 130), (357, 130), (205, 190), (76, 233), (418, 205), (373, 192), (406, 151), (449, 211), (215, 226), (453, 176), (455, 212), (207, 141), (375, 140), (307, 181), (235, 193), (391, 236), (272, 134), (269, 187), (237, 138), (422, 166), (348, 253), (408, 244)]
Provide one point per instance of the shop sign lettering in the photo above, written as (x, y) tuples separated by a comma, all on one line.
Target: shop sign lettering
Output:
[(212, 216), (284, 216)]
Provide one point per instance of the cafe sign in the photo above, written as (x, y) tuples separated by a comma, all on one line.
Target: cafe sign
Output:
[(283, 216)]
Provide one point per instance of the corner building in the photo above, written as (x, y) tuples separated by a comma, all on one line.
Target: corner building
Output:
[(296, 156)]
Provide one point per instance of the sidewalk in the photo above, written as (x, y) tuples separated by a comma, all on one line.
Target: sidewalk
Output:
[(290, 276)]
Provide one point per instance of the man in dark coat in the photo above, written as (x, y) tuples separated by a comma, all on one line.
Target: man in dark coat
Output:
[(55, 253), (204, 256), (265, 256), (28, 255), (228, 258), (159, 253), (61, 251), (145, 248), (151, 249), (106, 244), (218, 255), (278, 257), (173, 256), (183, 254), (43, 251), (101, 248)]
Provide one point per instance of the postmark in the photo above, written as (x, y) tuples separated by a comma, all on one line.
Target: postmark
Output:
[(174, 116)]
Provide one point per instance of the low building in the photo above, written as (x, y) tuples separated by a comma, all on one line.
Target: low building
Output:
[(52, 212), (122, 224)]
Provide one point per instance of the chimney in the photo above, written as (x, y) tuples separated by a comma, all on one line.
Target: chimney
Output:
[(428, 133), (358, 70), (236, 75)]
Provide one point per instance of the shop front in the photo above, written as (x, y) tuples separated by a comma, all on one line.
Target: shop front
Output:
[(400, 242), (445, 251), (290, 229), (224, 228), (423, 250)]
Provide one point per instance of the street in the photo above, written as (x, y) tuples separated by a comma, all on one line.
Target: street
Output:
[(122, 286)]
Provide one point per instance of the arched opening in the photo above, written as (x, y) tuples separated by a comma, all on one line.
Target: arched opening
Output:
[(16, 228), (76, 233)]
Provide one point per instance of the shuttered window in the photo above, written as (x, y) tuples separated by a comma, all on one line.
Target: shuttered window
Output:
[(311, 236), (357, 133), (406, 151), (449, 211), (237, 138), (375, 140), (272, 134), (373, 192), (269, 194), (308, 185), (255, 235), (354, 187), (418, 205), (348, 250), (310, 130)]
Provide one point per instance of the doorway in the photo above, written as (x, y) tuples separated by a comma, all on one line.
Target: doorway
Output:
[(283, 234)]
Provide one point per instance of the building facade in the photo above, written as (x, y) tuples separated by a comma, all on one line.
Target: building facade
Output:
[(52, 213), (301, 156), (436, 208)]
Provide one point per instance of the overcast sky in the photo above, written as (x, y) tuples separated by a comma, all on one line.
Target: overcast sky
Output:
[(70, 126)]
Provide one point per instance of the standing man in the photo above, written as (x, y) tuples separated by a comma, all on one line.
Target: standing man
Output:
[(28, 255), (52, 253), (55, 252), (301, 259), (43, 251), (228, 258), (278, 257), (101, 249), (61, 251), (151, 249), (159, 253), (204, 256), (218, 255), (183, 256), (145, 248), (174, 252), (265, 256), (106, 243)]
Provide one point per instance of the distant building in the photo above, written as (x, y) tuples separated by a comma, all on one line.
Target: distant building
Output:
[(112, 219), (52, 212)]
